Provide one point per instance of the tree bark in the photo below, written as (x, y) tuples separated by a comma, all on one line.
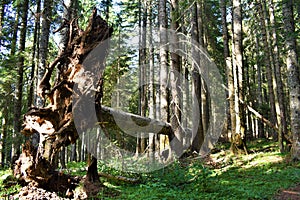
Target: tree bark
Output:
[(175, 79), (44, 43), (280, 92), (293, 76), (143, 72), (151, 89), (30, 98), (227, 59), (163, 55), (92, 173), (4, 130), (19, 86), (238, 137), (55, 123), (267, 62), (259, 91), (198, 137)]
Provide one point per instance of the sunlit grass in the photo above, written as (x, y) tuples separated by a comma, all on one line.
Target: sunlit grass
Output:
[(258, 175)]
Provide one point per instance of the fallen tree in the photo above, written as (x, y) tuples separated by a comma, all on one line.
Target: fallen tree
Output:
[(53, 125), (111, 118)]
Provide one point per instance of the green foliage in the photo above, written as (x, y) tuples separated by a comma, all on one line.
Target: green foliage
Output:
[(8, 184), (85, 10), (255, 176), (259, 175), (76, 168)]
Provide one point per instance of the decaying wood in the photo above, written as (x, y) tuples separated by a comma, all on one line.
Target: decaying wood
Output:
[(111, 118), (54, 123)]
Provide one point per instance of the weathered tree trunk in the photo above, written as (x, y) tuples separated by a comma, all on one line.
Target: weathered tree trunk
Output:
[(175, 79), (151, 101), (4, 130), (260, 126), (238, 137), (198, 137), (282, 119), (44, 43), (19, 86), (55, 122), (227, 59), (143, 72), (163, 55), (267, 63), (13, 49), (293, 76), (30, 98)]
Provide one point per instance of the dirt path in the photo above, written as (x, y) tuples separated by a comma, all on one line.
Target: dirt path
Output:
[(289, 194)]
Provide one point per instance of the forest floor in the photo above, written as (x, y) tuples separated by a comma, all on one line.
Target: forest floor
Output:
[(290, 194), (264, 173)]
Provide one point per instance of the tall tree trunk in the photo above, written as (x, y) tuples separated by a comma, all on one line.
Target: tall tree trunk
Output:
[(13, 46), (30, 99), (163, 55), (268, 65), (143, 74), (228, 63), (198, 137), (19, 86), (138, 138), (73, 152), (6, 98), (204, 103), (238, 137), (280, 92), (293, 76), (175, 71), (4, 131), (259, 91), (44, 43), (151, 101), (13, 49)]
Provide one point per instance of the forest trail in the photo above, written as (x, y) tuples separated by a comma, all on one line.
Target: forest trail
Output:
[(291, 194)]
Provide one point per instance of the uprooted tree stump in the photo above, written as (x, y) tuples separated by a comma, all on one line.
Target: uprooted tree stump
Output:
[(54, 124)]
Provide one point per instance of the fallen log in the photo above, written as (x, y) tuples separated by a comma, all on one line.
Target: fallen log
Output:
[(116, 119), (120, 178)]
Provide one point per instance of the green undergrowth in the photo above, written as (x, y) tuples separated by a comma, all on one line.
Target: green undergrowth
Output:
[(8, 184), (259, 175)]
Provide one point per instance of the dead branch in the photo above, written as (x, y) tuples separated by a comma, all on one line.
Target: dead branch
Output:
[(133, 123)]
